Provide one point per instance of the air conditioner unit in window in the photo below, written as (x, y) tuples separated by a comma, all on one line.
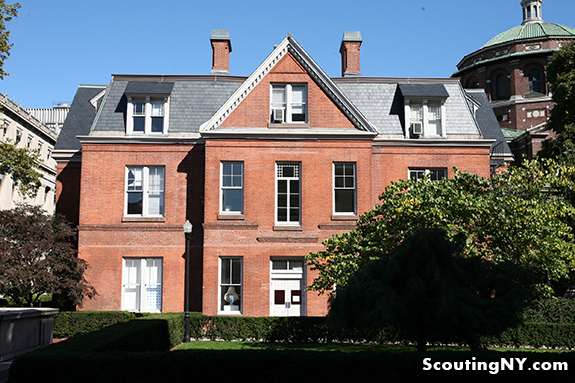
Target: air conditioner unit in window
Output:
[(417, 128), (278, 115)]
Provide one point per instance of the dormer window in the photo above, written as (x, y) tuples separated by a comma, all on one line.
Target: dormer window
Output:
[(147, 115), (426, 118), (289, 103), (424, 107)]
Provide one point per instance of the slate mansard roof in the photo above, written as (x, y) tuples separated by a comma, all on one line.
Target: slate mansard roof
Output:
[(199, 103)]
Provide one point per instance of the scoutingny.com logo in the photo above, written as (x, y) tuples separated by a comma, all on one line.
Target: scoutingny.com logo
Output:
[(493, 367)]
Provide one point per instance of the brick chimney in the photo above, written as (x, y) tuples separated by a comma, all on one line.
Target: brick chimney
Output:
[(350, 54), (221, 48)]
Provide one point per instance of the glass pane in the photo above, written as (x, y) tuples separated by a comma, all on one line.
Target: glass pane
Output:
[(279, 265), (282, 200), (344, 201), (288, 171), (157, 124), (282, 215), (438, 174), (349, 182), (296, 265), (294, 215), (338, 182), (232, 200), (298, 117), (139, 108), (294, 187), (135, 179), (435, 127), (282, 186), (226, 180), (227, 168), (157, 108), (298, 94), (226, 263), (339, 169), (135, 202), (139, 124), (416, 112), (349, 170), (156, 179), (237, 169), (156, 203), (294, 200), (237, 181), (236, 271)]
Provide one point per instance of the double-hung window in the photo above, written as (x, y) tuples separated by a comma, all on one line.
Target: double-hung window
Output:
[(144, 191), (426, 118), (230, 295), (147, 115), (232, 188), (288, 211), (344, 188), (434, 174), (289, 103)]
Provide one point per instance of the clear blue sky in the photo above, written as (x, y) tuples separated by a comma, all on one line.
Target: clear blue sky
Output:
[(61, 44)]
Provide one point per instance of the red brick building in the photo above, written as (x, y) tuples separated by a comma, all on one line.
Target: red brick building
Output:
[(265, 167), (511, 68)]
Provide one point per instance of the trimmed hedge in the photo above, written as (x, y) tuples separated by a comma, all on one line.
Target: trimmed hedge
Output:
[(135, 351), (72, 323), (552, 310)]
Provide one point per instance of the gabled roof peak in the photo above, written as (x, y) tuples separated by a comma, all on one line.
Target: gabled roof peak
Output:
[(289, 44)]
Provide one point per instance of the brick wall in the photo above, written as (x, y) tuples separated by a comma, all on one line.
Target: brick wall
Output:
[(254, 236), (68, 190), (105, 239)]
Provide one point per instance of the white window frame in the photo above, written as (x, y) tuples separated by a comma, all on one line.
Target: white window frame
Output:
[(288, 221), (148, 114), (427, 171), (289, 104), (429, 130), (344, 187), (145, 190), (223, 306), (223, 188)]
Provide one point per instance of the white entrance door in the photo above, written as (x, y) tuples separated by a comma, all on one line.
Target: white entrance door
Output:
[(142, 285), (288, 297)]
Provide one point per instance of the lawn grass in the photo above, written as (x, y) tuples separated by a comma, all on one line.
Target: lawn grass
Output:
[(342, 347)]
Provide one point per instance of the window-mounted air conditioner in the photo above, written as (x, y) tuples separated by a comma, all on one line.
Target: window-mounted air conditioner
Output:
[(278, 115), (417, 127)]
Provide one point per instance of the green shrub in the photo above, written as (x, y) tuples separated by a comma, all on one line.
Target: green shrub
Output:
[(72, 323), (552, 310)]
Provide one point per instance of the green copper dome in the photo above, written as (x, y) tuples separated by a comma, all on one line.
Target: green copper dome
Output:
[(531, 31)]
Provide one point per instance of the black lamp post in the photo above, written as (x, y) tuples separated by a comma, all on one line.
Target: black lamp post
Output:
[(188, 232)]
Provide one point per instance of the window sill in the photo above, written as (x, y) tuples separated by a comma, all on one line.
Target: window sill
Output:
[(238, 217), (342, 217), (285, 125), (287, 228), (143, 219)]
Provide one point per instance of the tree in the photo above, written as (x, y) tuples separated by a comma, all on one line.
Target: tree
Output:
[(22, 165), (37, 257), (427, 288), (561, 79), (518, 216), (7, 12)]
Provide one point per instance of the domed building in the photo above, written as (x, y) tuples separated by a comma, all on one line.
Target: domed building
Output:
[(511, 68)]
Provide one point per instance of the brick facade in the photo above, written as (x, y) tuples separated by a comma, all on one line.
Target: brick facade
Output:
[(239, 129)]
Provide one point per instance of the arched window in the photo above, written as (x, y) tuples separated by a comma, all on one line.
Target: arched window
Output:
[(501, 83), (534, 80)]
